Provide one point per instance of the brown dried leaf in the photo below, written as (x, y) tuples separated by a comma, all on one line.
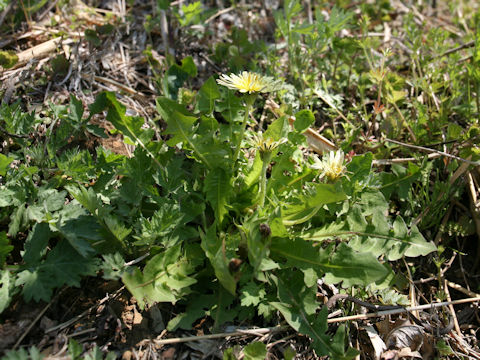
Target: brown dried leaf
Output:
[(377, 343), (411, 336)]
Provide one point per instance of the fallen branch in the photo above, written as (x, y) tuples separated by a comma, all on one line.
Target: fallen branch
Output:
[(402, 310), (248, 332), (476, 163), (380, 162), (263, 331), (38, 51)]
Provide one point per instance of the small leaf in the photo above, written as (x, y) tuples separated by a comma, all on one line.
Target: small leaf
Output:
[(360, 167), (277, 130), (7, 289), (180, 127), (255, 351), (207, 95), (189, 66), (92, 37), (5, 248), (76, 109), (303, 120), (4, 163), (16, 217), (113, 266), (255, 171), (252, 294), (176, 76), (130, 126), (179, 120), (75, 350)]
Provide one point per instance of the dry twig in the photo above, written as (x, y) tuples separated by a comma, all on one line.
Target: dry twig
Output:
[(247, 332), (402, 310)]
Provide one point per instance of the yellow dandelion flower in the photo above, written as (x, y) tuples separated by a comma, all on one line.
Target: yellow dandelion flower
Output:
[(331, 165), (266, 145), (248, 82)]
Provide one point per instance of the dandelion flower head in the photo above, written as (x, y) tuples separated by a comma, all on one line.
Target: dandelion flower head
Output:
[(248, 82), (266, 145), (331, 165)]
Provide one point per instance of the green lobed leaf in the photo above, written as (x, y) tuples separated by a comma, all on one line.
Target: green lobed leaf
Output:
[(231, 107), (36, 243), (212, 245), (16, 220), (17, 121), (113, 266), (196, 308), (33, 353), (342, 264), (62, 266), (80, 232), (130, 126), (377, 238), (223, 311), (166, 276), (6, 196), (218, 188), (360, 167), (180, 127), (251, 294), (176, 76), (76, 109), (298, 306), (307, 206), (179, 120), (354, 268), (75, 349)]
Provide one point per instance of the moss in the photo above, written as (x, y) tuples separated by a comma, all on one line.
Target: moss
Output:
[(8, 59)]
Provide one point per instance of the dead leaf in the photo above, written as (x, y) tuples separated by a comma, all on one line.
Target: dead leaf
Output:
[(377, 343), (407, 352), (411, 336)]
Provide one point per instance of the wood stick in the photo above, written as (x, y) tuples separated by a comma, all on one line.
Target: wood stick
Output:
[(248, 332), (38, 51), (462, 289), (262, 331), (379, 162), (452, 310), (402, 310), (476, 163)]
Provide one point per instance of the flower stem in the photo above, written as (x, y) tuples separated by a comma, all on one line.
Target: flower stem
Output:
[(263, 178), (249, 100)]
